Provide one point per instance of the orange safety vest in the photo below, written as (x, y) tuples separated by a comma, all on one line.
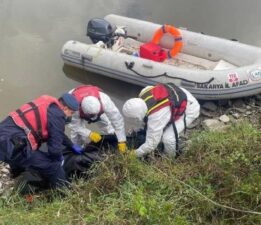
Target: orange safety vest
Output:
[(84, 91), (32, 118)]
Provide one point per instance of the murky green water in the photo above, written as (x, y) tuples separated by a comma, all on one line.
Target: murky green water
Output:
[(32, 33)]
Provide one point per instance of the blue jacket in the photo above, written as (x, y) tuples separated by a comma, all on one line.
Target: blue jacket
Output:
[(56, 136)]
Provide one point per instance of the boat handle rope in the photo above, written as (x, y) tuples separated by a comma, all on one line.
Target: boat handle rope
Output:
[(130, 66)]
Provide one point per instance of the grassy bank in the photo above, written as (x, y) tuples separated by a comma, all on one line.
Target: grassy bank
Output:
[(218, 181)]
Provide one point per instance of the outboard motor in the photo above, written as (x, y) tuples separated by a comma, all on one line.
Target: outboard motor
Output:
[(101, 30)]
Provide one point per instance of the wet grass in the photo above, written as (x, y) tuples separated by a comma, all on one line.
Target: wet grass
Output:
[(217, 181)]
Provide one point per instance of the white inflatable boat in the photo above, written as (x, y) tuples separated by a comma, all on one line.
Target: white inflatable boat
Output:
[(207, 66)]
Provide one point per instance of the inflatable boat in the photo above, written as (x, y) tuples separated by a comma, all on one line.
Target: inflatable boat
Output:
[(145, 53)]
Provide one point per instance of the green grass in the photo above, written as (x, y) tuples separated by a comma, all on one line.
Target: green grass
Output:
[(218, 181)]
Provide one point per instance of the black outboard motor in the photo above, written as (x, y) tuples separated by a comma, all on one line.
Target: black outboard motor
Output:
[(101, 30)]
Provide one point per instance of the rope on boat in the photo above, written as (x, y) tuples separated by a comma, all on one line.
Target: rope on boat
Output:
[(130, 66)]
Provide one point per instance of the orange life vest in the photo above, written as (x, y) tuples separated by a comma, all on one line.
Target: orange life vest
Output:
[(84, 91), (32, 118)]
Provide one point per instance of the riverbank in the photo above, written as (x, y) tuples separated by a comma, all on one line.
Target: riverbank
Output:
[(215, 181)]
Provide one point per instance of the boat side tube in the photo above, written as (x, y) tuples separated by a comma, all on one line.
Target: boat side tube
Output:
[(197, 44), (225, 84)]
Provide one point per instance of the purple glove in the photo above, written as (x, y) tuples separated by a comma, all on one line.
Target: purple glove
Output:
[(77, 149)]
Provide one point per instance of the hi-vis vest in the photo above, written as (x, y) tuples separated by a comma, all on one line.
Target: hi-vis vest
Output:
[(166, 95), (162, 95), (32, 118), (84, 91)]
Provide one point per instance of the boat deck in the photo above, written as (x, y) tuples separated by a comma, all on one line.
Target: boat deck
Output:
[(130, 46)]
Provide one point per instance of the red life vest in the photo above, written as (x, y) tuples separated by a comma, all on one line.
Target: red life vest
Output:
[(166, 95), (163, 95), (32, 118), (84, 91)]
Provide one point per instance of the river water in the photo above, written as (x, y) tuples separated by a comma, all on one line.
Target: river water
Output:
[(32, 33)]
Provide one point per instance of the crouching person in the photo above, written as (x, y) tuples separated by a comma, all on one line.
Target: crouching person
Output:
[(96, 107), (166, 111), (24, 130)]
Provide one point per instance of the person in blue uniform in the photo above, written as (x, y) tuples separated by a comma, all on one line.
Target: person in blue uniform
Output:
[(25, 130)]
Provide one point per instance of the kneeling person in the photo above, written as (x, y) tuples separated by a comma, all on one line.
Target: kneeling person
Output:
[(24, 130)]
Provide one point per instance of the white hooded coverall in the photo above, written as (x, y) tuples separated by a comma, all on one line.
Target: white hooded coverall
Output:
[(157, 121), (111, 121)]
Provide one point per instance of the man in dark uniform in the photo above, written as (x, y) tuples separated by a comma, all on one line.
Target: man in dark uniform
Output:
[(41, 121)]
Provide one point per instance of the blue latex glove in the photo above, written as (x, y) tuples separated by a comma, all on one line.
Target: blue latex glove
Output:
[(77, 149)]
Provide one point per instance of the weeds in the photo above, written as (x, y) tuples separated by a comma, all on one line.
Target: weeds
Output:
[(217, 181)]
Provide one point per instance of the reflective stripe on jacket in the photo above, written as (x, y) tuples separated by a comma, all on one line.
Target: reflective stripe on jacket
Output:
[(162, 95)]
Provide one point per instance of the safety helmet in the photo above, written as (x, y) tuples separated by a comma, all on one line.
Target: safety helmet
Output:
[(135, 108), (91, 105)]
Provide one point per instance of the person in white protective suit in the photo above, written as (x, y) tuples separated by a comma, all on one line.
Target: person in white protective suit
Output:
[(166, 110), (96, 106)]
